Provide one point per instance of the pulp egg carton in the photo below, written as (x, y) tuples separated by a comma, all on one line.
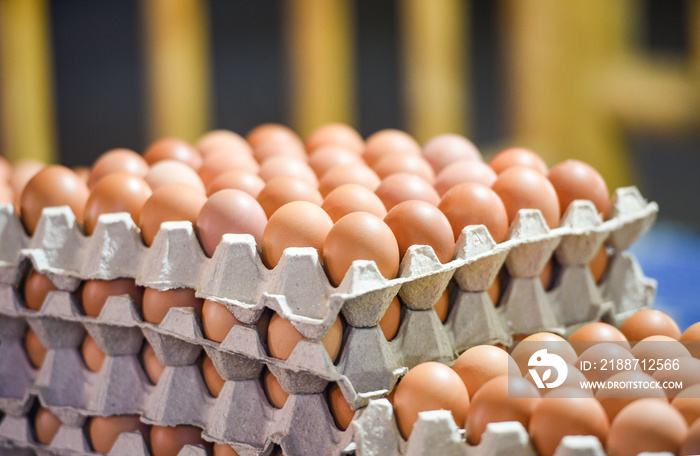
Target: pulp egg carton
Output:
[(298, 290)]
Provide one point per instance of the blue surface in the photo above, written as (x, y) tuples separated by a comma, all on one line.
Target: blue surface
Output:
[(671, 255)]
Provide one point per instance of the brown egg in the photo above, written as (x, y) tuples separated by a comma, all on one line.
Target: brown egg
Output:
[(239, 180), (522, 352), (352, 198), (463, 171), (494, 291), (221, 161), (217, 140), (649, 322), (217, 320), (36, 352), (385, 142), (691, 339), (117, 192), (677, 374), (224, 450), (270, 130), (46, 426), (391, 320), (646, 425), (401, 187), (173, 149), (273, 390), (599, 264), (153, 367), (429, 386), (287, 166), (91, 353), (616, 399), (360, 236), (22, 172), (604, 359), (286, 189), (576, 180), (589, 334), (396, 163), (688, 403), (416, 222), (117, 161), (517, 156), (172, 202), (275, 147), (282, 337), (296, 224), (104, 430), (340, 409), (7, 195), (156, 304), (547, 274), (169, 440), (442, 306), (83, 172), (481, 363), (94, 294), (326, 157), (574, 380), (335, 134), (657, 349), (170, 172), (473, 204), (36, 288), (443, 150), (212, 378), (502, 398), (352, 173), (52, 186), (525, 188), (229, 211), (691, 443)]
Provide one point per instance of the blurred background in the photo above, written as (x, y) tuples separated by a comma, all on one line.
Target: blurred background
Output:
[(615, 83)]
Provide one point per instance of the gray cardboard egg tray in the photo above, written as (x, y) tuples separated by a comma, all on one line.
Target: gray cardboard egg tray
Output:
[(299, 291)]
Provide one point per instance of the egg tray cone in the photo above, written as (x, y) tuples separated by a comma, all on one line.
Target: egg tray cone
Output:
[(298, 290)]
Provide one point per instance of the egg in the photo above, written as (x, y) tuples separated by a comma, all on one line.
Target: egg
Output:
[(239, 180), (7, 195), (278, 146), (517, 156), (173, 149), (221, 161), (156, 304), (352, 173), (229, 141), (389, 141), (94, 294), (170, 172), (552, 419), (91, 353), (36, 352), (604, 359), (172, 202), (151, 365), (481, 363), (599, 264), (429, 386), (673, 380), (688, 403), (104, 430), (352, 198), (522, 351), (691, 339), (117, 192), (296, 224), (340, 408), (286, 189), (229, 211), (46, 425), (169, 440), (445, 149), (273, 390), (494, 291), (360, 236), (391, 320), (36, 288), (401, 187), (649, 322), (501, 398), (83, 172), (616, 399), (224, 450), (287, 166), (589, 334), (661, 348), (117, 161), (22, 172), (442, 306), (646, 425), (270, 131), (691, 443), (335, 134), (326, 157), (282, 337), (576, 180), (474, 204), (217, 320), (524, 188), (463, 171), (212, 378), (574, 380), (52, 186), (399, 163)]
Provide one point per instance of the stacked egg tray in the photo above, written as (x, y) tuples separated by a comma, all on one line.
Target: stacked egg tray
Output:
[(368, 367)]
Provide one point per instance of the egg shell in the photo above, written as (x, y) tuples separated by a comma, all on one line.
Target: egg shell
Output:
[(599, 355), (22, 172), (273, 390), (169, 440), (103, 431), (270, 130), (517, 156), (239, 180), (94, 294), (522, 352), (691, 339), (172, 172), (227, 140), (220, 161), (352, 198), (614, 400), (156, 303), (212, 378), (286, 189), (400, 187), (117, 192), (36, 288), (442, 150), (574, 179), (217, 320), (389, 141), (481, 363), (649, 322), (691, 443), (46, 426), (352, 173), (340, 409), (169, 203), (224, 450), (396, 163), (116, 161), (474, 204), (442, 306), (282, 337), (36, 352), (282, 165), (151, 365), (91, 353), (655, 349), (173, 149), (599, 264), (675, 380), (416, 222), (391, 319), (326, 157), (524, 188), (335, 134), (463, 171), (591, 333), (279, 147), (688, 403)]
